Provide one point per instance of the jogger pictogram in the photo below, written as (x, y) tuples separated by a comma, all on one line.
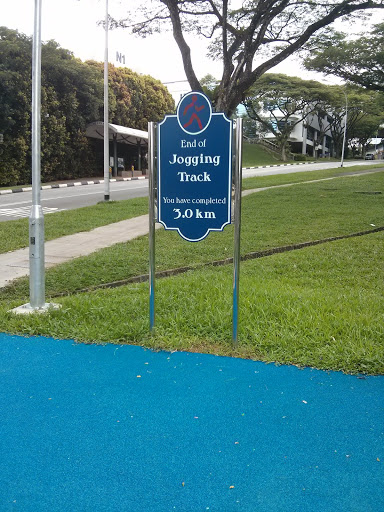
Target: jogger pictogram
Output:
[(194, 113), (194, 116)]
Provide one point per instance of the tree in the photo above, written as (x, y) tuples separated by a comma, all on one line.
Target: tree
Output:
[(360, 104), (134, 99), (279, 102), (359, 61), (72, 97), (210, 86), (15, 100), (249, 40), (363, 132), (69, 96)]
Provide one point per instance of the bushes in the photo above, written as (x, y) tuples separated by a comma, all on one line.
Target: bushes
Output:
[(299, 157), (71, 98)]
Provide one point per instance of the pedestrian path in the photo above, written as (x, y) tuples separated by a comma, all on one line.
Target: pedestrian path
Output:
[(16, 263), (119, 428)]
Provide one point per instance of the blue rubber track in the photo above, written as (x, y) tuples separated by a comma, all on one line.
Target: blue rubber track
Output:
[(119, 428)]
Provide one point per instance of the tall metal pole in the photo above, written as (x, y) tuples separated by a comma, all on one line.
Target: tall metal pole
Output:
[(106, 120), (152, 219), (36, 217), (237, 215), (345, 129)]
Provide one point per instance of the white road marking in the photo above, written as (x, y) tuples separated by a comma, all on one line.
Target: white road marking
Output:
[(24, 211), (19, 202), (69, 195)]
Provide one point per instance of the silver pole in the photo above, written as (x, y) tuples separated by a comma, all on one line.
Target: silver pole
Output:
[(106, 120), (115, 155), (36, 217), (152, 219), (345, 129), (236, 254)]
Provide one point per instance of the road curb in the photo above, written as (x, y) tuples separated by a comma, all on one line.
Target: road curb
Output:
[(278, 165), (97, 182), (71, 184)]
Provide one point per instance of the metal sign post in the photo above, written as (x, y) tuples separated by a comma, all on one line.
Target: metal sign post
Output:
[(237, 222), (194, 180), (152, 219)]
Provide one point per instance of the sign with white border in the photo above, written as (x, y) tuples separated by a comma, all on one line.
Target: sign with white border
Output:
[(194, 169)]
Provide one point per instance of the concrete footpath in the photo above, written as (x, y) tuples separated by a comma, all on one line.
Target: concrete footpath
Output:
[(16, 263)]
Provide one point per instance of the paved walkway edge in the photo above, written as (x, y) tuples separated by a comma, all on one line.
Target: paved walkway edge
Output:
[(15, 264)]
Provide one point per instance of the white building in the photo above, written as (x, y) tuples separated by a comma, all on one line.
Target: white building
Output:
[(310, 136)]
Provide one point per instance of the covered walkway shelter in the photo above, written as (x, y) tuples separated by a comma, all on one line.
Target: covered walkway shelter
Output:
[(136, 139)]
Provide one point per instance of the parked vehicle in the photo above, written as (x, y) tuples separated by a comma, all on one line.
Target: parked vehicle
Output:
[(369, 156)]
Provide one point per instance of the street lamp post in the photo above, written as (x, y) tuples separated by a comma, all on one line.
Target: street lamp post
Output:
[(345, 129), (36, 216), (106, 128)]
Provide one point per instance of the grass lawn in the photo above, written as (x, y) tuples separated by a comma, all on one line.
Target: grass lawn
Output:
[(14, 233), (255, 154), (320, 306), (301, 177)]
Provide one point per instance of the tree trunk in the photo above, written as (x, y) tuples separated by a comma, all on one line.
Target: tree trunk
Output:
[(283, 153)]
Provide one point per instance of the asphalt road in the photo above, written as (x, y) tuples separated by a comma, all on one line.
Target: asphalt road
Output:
[(15, 206)]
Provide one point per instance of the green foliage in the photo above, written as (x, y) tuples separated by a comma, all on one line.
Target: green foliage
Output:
[(249, 38), (210, 86), (279, 102), (72, 97), (364, 114), (360, 61), (15, 100), (134, 99)]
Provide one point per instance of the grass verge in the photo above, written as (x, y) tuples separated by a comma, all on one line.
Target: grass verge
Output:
[(14, 233), (272, 218), (302, 177), (298, 308), (255, 154), (320, 306)]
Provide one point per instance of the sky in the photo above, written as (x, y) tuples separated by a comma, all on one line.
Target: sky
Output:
[(73, 24)]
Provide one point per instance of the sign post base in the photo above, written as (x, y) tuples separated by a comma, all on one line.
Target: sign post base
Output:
[(27, 309)]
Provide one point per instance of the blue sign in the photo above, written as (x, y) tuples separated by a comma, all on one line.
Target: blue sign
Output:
[(194, 169)]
